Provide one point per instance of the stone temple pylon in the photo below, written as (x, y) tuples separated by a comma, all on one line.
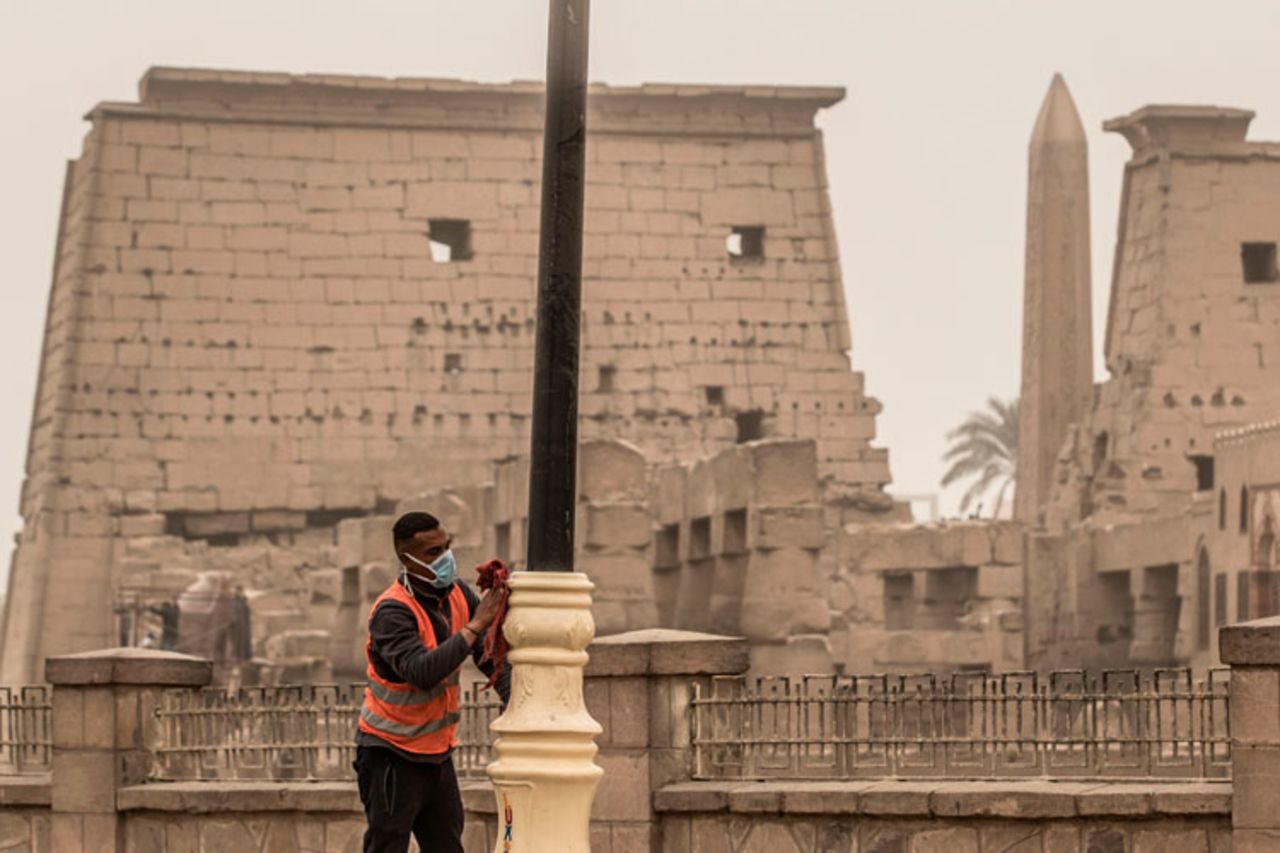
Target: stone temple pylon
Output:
[(1057, 336)]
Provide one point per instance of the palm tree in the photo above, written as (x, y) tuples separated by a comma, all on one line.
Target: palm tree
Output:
[(985, 447)]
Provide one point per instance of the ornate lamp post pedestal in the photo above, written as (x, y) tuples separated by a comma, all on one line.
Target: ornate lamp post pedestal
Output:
[(543, 774)]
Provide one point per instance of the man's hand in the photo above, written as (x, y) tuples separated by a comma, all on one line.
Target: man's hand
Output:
[(487, 610)]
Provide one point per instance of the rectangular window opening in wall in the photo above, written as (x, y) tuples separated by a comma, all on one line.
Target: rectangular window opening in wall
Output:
[(746, 243), (735, 531), (450, 240), (714, 395), (1204, 471), (666, 553), (1259, 262), (947, 593), (608, 373), (453, 362), (899, 601), (750, 425), (700, 538)]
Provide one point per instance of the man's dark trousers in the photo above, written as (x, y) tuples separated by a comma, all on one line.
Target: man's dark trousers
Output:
[(402, 797)]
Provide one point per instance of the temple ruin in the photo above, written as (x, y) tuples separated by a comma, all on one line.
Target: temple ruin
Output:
[(284, 304), (287, 308), (1155, 533)]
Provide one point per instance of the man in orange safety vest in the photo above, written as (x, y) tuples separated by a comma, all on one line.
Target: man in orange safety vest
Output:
[(421, 631)]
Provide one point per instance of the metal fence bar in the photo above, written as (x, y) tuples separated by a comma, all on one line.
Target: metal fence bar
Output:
[(286, 733), (26, 730), (1070, 723)]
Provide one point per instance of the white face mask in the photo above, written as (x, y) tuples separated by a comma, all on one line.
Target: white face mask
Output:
[(444, 567)]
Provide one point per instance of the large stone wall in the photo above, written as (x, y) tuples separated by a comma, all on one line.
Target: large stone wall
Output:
[(251, 330), (1192, 349)]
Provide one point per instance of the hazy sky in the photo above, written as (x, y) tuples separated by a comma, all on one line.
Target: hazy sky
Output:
[(926, 157)]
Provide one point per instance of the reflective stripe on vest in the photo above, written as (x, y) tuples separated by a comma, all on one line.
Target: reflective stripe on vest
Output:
[(384, 725), (412, 696)]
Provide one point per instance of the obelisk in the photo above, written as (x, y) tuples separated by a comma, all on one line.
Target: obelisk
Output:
[(1057, 336)]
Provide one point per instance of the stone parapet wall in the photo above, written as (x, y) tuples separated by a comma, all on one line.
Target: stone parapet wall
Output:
[(944, 817)]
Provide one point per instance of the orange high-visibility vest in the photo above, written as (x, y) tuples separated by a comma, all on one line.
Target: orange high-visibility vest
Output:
[(419, 721)]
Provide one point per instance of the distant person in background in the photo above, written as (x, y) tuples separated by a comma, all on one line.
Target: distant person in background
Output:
[(168, 613), (421, 631), (241, 626)]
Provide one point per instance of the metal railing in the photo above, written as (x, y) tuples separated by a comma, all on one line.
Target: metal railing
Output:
[(286, 733), (1067, 724), (26, 730)]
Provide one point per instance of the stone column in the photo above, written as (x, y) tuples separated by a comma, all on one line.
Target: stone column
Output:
[(1253, 651), (638, 687), (103, 703)]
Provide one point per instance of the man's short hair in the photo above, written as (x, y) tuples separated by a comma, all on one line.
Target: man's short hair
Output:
[(411, 524)]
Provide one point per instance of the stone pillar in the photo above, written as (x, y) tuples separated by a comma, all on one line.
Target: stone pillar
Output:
[(638, 687), (103, 703), (1253, 651)]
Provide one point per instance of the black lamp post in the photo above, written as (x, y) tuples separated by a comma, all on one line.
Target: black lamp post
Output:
[(553, 458)]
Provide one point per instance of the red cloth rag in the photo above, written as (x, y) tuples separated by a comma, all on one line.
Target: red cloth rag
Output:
[(493, 577)]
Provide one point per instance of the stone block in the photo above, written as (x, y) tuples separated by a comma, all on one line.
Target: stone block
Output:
[(325, 586), (1183, 840), (790, 527), (785, 472), (1114, 801), (624, 792), (1255, 705), (1255, 840), (757, 798), (661, 651), (1006, 543), (611, 472), (1106, 840), (1255, 772), (617, 526), (823, 798), (897, 798), (129, 666), (997, 581), (83, 781), (1018, 838), (66, 832), (632, 838), (628, 712), (362, 540), (954, 839), (875, 837), (890, 547), (692, 797), (1191, 798), (1062, 839), (1028, 800)]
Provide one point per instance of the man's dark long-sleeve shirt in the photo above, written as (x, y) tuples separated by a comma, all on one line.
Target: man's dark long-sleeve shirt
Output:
[(399, 656)]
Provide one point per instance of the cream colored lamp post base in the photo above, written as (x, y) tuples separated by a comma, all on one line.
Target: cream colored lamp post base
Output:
[(543, 774)]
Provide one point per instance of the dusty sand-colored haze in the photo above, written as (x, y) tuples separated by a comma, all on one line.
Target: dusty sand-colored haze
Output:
[(927, 157)]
